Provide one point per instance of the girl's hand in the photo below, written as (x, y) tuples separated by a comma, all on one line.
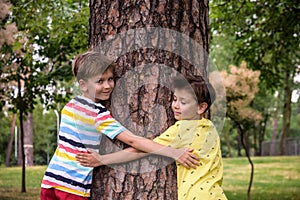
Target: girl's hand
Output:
[(188, 159), (89, 159)]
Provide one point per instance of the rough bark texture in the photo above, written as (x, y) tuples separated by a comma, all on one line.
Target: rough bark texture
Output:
[(141, 100)]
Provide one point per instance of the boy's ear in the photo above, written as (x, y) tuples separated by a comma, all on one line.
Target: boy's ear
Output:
[(202, 107), (82, 85)]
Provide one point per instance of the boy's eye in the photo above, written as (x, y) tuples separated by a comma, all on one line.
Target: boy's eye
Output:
[(99, 81)]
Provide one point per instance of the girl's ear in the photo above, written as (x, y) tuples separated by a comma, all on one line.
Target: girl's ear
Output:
[(82, 85), (202, 108)]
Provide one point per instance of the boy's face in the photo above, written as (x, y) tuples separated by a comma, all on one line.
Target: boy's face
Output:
[(185, 106), (98, 87)]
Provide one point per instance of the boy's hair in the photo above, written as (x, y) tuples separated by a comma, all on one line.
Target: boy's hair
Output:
[(198, 86), (91, 63)]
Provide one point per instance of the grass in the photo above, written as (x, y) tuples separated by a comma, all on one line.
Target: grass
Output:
[(275, 178), (10, 183)]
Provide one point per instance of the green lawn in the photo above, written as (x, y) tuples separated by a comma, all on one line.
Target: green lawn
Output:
[(275, 178)]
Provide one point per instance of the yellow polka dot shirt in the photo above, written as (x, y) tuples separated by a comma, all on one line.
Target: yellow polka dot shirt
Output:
[(204, 182)]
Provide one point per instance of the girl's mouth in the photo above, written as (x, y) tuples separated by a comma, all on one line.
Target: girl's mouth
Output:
[(177, 113)]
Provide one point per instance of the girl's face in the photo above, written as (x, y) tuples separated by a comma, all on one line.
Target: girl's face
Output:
[(99, 87), (185, 106)]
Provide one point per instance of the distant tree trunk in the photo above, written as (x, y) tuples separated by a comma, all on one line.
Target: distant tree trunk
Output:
[(274, 133), (145, 100), (262, 133), (28, 140), (20, 157), (11, 139), (287, 110), (255, 142), (247, 141), (227, 141), (239, 145), (21, 115)]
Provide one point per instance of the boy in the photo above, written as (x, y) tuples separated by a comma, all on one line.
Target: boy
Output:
[(191, 100), (82, 121)]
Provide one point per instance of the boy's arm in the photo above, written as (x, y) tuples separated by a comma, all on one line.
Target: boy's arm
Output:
[(183, 156), (93, 159)]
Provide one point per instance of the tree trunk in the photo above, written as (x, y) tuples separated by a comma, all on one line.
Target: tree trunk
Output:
[(21, 113), (226, 137), (239, 145), (255, 142), (287, 110), (144, 38), (28, 140), (11, 139), (274, 133), (261, 136)]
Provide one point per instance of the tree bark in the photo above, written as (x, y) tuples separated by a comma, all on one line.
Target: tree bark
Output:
[(141, 100)]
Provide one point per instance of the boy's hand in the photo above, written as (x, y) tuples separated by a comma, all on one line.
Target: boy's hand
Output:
[(89, 159), (188, 159)]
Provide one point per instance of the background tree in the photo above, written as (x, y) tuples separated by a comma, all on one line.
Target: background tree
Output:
[(144, 96), (241, 86), (267, 37), (37, 57)]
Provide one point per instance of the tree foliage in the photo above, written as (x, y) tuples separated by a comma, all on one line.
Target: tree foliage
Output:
[(49, 35), (40, 40), (241, 86), (266, 35)]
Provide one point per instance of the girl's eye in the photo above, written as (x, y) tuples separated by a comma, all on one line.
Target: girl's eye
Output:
[(99, 81), (111, 79), (183, 103)]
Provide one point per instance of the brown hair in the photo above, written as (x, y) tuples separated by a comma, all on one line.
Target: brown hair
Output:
[(198, 86), (91, 63)]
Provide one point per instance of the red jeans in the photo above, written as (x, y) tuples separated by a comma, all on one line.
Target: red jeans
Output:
[(54, 194)]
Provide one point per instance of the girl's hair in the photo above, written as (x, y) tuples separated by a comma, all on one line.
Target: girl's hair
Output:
[(89, 64), (198, 86)]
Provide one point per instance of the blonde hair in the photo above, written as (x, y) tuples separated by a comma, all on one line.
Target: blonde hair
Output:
[(91, 63)]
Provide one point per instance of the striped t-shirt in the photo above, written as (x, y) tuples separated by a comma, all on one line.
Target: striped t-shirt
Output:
[(82, 123)]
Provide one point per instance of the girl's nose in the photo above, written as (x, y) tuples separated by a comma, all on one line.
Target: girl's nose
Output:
[(106, 84)]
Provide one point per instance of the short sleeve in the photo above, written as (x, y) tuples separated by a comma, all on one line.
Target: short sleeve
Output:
[(107, 125), (167, 137)]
